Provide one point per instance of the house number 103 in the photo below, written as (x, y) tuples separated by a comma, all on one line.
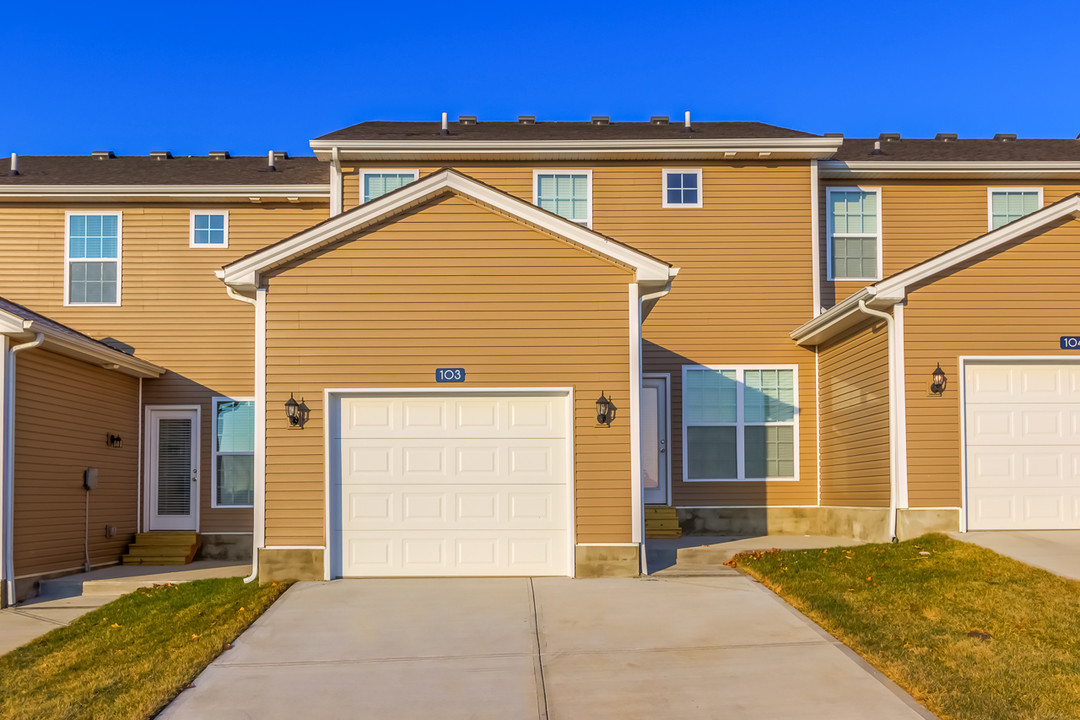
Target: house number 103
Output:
[(450, 375)]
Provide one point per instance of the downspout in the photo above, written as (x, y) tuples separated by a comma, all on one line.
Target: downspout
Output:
[(894, 446), (139, 467), (254, 535), (9, 465)]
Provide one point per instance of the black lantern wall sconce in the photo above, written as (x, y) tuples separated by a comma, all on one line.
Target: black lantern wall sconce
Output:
[(605, 410), (938, 381), (297, 412), (114, 441)]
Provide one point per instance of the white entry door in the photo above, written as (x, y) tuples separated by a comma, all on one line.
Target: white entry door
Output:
[(172, 468), (1022, 429), (654, 439), (438, 484)]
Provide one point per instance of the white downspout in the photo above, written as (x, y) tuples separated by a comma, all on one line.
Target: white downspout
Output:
[(138, 468), (9, 465), (894, 446)]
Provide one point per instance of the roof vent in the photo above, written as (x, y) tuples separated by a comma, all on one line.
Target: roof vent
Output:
[(220, 154), (1005, 136), (270, 161), (14, 164), (281, 155), (161, 155), (834, 135), (600, 120), (445, 130), (466, 119), (889, 137), (686, 122), (877, 148), (945, 137), (527, 119), (659, 120), (103, 154)]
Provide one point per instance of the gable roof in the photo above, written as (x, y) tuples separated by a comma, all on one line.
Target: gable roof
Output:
[(893, 289), (244, 274), (22, 325)]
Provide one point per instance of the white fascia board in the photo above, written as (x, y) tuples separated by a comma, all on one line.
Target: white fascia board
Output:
[(816, 148), (162, 192), (845, 314), (840, 169), (244, 274)]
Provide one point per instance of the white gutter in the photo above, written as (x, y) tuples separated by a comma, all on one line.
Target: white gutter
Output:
[(7, 511), (893, 404), (164, 192)]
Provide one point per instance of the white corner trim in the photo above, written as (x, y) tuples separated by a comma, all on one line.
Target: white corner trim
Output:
[(901, 407), (258, 524), (815, 238), (990, 191), (587, 222), (637, 507)]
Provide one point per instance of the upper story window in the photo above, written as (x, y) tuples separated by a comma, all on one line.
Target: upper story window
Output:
[(1008, 204), (374, 183), (854, 233), (739, 423), (92, 258), (209, 229), (565, 192), (682, 188), (234, 453)]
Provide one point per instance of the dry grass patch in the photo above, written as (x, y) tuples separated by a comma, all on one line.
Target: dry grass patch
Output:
[(972, 635), (128, 659)]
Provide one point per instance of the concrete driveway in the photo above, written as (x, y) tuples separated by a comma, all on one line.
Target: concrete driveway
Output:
[(702, 647), (1055, 550)]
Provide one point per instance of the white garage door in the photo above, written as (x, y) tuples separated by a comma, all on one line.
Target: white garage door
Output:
[(1023, 446), (443, 485)]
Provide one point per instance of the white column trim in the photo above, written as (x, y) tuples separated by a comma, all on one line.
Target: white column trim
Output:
[(258, 513), (337, 185), (901, 407), (4, 520), (637, 506), (815, 238)]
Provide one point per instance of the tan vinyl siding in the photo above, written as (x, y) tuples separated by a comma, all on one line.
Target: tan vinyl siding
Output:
[(63, 410), (923, 218), (174, 311), (448, 285), (854, 371), (745, 282)]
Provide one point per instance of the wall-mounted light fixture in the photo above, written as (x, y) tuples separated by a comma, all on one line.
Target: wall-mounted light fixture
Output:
[(605, 410), (938, 381), (114, 441), (292, 410)]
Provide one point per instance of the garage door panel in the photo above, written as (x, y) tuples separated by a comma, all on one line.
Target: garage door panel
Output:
[(454, 461), (439, 417), (459, 553), (1023, 445), (434, 507)]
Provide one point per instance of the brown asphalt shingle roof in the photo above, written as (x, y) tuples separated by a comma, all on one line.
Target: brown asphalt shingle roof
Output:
[(144, 170), (43, 323), (925, 150), (405, 131)]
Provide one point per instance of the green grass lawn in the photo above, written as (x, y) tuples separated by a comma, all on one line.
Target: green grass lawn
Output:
[(128, 659), (972, 635)]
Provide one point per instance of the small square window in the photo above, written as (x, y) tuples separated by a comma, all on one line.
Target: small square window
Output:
[(209, 229), (682, 189)]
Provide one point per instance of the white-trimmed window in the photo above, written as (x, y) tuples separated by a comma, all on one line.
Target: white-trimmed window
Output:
[(740, 423), (92, 243), (567, 193), (234, 452), (682, 188), (854, 232), (374, 183), (1007, 204), (210, 228)]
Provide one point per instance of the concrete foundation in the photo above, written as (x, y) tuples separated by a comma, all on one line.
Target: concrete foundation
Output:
[(222, 546), (863, 523), (594, 561), (290, 564)]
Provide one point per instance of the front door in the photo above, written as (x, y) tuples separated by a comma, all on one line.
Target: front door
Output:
[(172, 468), (654, 439)]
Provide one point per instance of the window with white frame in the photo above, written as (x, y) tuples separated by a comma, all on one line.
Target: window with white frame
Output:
[(854, 232), (1008, 204), (375, 183), (682, 188), (567, 193), (739, 423), (92, 258), (234, 452), (209, 229)]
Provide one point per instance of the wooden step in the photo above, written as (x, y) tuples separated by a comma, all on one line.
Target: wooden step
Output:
[(661, 521), (163, 548)]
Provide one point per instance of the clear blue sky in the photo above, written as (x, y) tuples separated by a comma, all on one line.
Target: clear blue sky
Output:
[(247, 77)]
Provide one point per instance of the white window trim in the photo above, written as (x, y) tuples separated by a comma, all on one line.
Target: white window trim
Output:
[(191, 231), (829, 234), (990, 200), (214, 451), (119, 255), (680, 171), (382, 171), (740, 424), (562, 171)]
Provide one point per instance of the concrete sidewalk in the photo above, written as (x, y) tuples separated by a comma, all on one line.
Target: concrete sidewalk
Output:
[(719, 646), (62, 600), (1055, 550)]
